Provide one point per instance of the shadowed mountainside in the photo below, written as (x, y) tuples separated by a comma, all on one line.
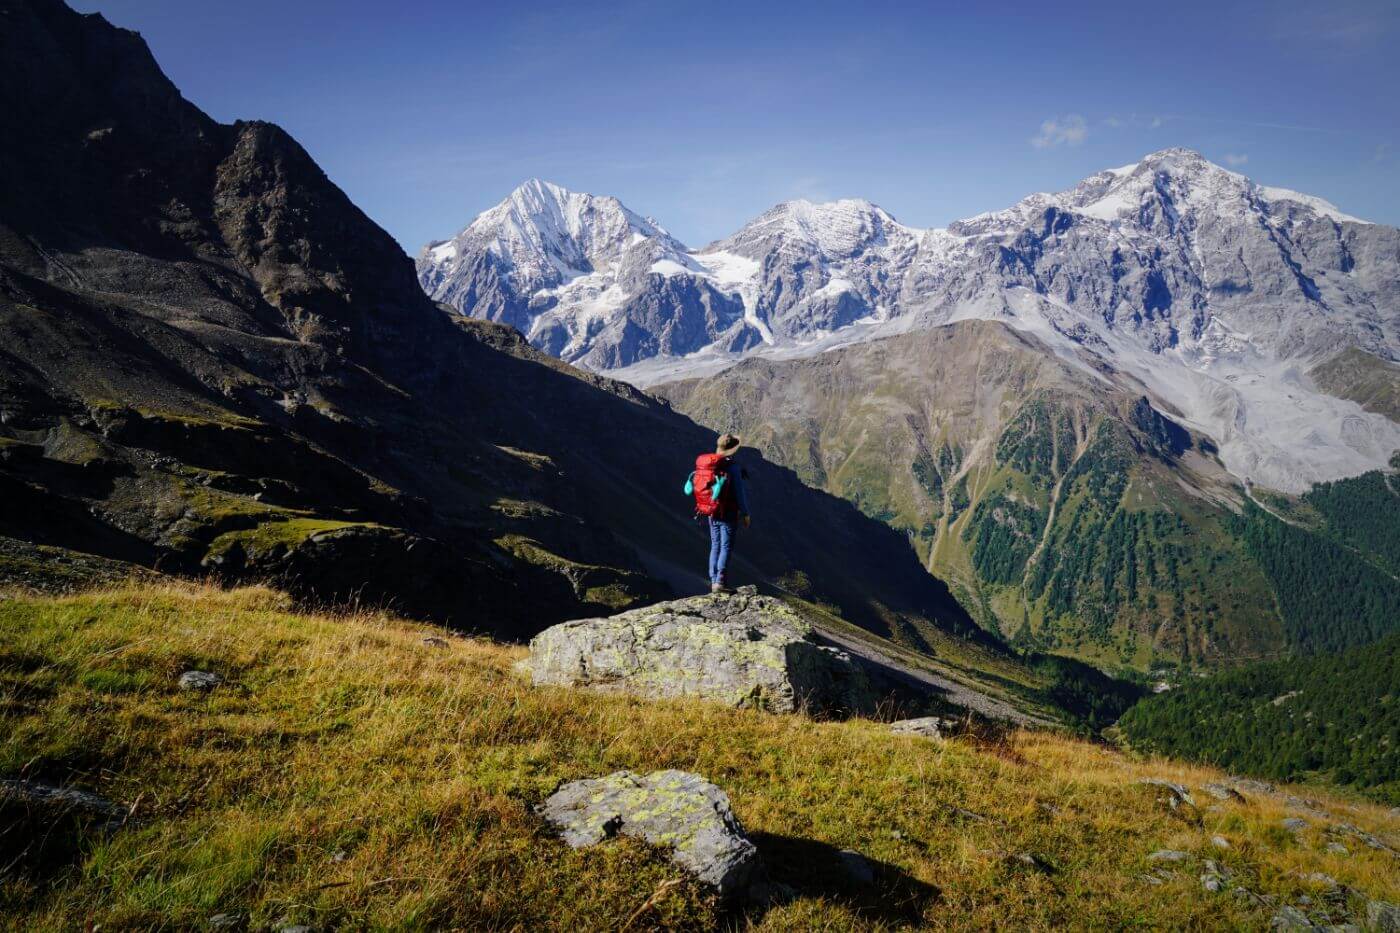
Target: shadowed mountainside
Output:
[(213, 361)]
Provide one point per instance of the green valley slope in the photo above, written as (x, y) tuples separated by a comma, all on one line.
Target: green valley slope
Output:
[(1068, 515)]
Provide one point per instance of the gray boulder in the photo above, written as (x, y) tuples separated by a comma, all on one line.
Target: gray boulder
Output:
[(1168, 855), (741, 650), (675, 809), (199, 680)]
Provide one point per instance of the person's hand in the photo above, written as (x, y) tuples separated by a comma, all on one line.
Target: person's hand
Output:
[(747, 521)]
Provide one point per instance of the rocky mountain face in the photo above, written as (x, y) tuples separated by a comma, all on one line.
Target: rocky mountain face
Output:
[(1067, 510), (215, 363), (800, 269), (578, 274), (1215, 295)]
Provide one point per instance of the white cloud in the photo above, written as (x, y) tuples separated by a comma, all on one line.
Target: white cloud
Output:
[(1069, 130), (1236, 158)]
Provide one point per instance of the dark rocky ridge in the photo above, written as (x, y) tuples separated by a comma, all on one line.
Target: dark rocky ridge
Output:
[(214, 360)]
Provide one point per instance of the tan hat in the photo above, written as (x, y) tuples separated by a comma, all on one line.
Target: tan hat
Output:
[(728, 445)]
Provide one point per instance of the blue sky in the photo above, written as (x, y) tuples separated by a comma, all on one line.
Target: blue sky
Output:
[(704, 114)]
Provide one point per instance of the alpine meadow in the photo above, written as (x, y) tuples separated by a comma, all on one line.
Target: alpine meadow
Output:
[(396, 535)]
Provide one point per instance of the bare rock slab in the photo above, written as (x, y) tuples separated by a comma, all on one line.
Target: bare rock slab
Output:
[(676, 809), (740, 650)]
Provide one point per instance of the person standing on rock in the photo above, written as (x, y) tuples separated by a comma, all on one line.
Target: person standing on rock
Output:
[(722, 501)]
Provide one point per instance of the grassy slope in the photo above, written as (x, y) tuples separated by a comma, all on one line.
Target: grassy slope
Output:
[(422, 764)]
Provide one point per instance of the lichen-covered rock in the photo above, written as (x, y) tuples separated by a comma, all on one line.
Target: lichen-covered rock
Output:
[(675, 809), (741, 650)]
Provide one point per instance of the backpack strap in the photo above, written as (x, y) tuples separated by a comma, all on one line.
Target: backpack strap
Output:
[(690, 484)]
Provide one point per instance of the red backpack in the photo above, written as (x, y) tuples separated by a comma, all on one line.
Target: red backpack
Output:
[(714, 496)]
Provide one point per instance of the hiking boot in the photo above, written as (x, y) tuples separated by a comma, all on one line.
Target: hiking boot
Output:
[(719, 588)]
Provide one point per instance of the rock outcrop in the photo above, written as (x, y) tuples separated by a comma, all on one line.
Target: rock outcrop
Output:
[(931, 727), (676, 809), (741, 650)]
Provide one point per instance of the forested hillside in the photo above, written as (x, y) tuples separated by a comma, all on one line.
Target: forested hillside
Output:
[(1330, 596), (1329, 716), (1364, 513)]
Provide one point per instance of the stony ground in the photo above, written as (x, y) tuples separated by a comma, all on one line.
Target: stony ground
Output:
[(362, 771)]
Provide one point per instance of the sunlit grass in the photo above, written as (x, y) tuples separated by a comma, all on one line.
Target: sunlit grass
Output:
[(348, 774)]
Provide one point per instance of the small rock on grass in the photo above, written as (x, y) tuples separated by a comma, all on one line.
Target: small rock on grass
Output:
[(433, 641), (677, 809), (225, 921), (57, 800), (1179, 792), (1220, 842), (1294, 824), (1168, 855), (200, 680), (1291, 918), (1031, 860), (933, 727), (1382, 916), (1223, 792), (1216, 877)]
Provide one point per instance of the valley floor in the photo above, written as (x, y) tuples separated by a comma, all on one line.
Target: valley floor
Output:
[(348, 773)]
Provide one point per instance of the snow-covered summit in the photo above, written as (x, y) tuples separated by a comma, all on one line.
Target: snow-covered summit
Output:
[(1214, 292), (544, 235), (832, 228)]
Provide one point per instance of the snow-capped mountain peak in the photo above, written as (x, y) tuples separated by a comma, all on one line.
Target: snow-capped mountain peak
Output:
[(1214, 292), (830, 228)]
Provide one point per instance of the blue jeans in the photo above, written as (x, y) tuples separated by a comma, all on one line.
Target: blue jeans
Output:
[(721, 534)]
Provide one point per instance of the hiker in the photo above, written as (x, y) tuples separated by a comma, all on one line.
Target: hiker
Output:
[(722, 501)]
